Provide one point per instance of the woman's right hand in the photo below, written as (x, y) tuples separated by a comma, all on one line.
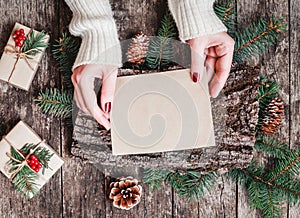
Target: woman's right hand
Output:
[(86, 99)]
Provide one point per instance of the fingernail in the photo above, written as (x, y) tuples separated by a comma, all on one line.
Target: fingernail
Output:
[(195, 77), (107, 107)]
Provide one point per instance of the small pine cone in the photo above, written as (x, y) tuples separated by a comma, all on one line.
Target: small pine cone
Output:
[(138, 48), (273, 115), (125, 193)]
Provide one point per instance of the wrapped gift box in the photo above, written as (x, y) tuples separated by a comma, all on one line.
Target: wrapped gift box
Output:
[(20, 71), (20, 135)]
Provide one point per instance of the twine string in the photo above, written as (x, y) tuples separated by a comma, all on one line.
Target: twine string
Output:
[(21, 163)]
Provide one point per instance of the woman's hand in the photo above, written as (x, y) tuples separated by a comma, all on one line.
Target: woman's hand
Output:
[(83, 80), (216, 51)]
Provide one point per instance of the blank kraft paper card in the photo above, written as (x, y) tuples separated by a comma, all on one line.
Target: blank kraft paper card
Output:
[(161, 112)]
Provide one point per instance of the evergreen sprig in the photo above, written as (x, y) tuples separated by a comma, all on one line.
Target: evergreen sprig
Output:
[(266, 92), (225, 10), (25, 180), (65, 52), (160, 52), (191, 184), (34, 44), (269, 187), (256, 38), (55, 102)]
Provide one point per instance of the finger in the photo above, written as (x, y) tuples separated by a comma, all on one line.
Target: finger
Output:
[(108, 90), (210, 67), (79, 101), (223, 65), (197, 62), (90, 100)]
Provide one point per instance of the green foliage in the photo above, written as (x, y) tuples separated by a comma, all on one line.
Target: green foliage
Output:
[(55, 102), (269, 186), (155, 177), (266, 92), (24, 180), (34, 44), (65, 52), (256, 38), (191, 184), (42, 154), (225, 10), (160, 52)]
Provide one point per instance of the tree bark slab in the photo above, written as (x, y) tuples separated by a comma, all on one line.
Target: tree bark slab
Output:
[(235, 114)]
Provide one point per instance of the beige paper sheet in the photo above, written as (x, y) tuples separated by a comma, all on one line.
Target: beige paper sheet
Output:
[(18, 137), (22, 75), (161, 112)]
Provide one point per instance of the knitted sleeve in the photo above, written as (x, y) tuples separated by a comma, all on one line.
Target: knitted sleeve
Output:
[(195, 18), (93, 22)]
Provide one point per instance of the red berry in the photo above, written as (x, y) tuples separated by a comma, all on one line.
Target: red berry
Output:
[(21, 41), (14, 35), (39, 166), (23, 38), (21, 30), (33, 167), (37, 170), (17, 40), (33, 157), (17, 32), (18, 44), (28, 162)]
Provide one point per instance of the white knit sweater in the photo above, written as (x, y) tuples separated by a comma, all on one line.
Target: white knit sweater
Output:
[(93, 22)]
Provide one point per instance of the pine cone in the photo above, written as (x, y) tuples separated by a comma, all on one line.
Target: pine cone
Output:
[(272, 116), (125, 193), (137, 50)]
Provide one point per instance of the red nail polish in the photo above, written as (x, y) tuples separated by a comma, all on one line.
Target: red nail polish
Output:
[(107, 107), (195, 77)]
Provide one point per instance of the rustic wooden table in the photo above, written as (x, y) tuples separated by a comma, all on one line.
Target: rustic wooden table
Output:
[(79, 189)]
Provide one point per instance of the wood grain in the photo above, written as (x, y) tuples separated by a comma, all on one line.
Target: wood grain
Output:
[(80, 189), (294, 86), (17, 104), (274, 65)]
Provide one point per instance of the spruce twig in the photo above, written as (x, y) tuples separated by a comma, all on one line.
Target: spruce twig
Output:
[(256, 38), (65, 51), (55, 102), (35, 43), (160, 51), (225, 10)]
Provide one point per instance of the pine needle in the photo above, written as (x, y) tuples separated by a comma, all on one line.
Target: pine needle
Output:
[(65, 51), (160, 51), (55, 102), (256, 38)]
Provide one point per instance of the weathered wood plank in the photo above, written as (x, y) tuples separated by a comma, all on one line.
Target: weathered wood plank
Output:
[(275, 65), (220, 201), (294, 85), (17, 104)]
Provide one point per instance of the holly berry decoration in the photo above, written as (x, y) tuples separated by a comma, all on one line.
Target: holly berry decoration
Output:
[(19, 37), (125, 193), (34, 163)]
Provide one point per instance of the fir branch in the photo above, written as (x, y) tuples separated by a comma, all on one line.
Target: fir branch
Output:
[(35, 43), (55, 102), (65, 52), (225, 10), (160, 52), (286, 168), (155, 177), (271, 147), (253, 40)]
